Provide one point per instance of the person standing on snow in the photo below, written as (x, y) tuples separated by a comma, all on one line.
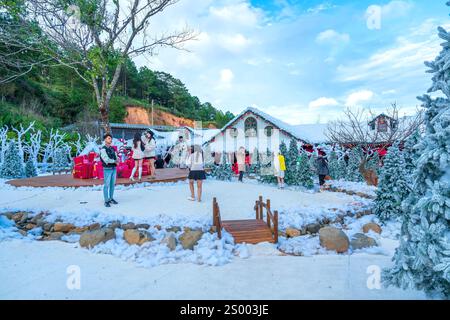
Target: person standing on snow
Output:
[(149, 152), (138, 156), (109, 160), (196, 164), (280, 168), (322, 167), (240, 158)]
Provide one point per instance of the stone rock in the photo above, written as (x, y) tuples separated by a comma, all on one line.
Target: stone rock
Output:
[(173, 229), (23, 233), (90, 239), (48, 227), (80, 230), (360, 241), (138, 237), (115, 224), (372, 226), (190, 238), (332, 238), (142, 226), (9, 215), (213, 229), (24, 218), (292, 232), (37, 217), (30, 226), (127, 226), (94, 226), (63, 227), (313, 227), (170, 241), (158, 227), (17, 216), (55, 236)]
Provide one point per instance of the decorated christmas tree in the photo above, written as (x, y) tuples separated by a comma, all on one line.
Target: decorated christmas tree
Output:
[(291, 159), (337, 165), (304, 173), (61, 159), (266, 174), (411, 153), (12, 167), (392, 186), (354, 160), (422, 261), (223, 170), (30, 168)]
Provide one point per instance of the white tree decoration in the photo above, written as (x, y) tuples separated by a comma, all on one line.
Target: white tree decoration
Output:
[(3, 142), (33, 148), (20, 134)]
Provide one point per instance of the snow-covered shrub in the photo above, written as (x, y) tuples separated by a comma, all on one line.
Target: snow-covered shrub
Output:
[(12, 166)]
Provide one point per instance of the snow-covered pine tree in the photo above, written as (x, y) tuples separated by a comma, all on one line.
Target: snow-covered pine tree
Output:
[(255, 163), (60, 159), (291, 159), (30, 168), (266, 173), (12, 166), (283, 149), (223, 170), (422, 260), (392, 186), (411, 153), (304, 172), (336, 165), (354, 160)]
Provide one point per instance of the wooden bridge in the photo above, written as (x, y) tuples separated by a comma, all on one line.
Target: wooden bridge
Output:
[(250, 231)]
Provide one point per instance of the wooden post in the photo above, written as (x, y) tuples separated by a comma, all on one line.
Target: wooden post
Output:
[(268, 213), (214, 212), (261, 208), (256, 208), (275, 226)]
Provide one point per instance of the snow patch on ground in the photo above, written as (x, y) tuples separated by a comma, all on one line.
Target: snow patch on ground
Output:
[(354, 186)]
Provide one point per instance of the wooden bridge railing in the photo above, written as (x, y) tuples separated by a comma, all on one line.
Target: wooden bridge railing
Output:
[(272, 218), (217, 220)]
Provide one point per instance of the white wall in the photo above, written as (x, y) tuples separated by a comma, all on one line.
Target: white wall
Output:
[(225, 142)]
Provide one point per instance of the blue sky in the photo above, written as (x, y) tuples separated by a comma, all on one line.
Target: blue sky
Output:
[(304, 61)]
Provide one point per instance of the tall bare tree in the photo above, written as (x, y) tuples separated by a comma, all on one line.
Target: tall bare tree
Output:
[(353, 130), (94, 37)]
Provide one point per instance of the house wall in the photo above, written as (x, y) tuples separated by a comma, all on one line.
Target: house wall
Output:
[(225, 142)]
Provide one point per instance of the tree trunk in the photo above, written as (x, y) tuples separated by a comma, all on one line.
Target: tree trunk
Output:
[(104, 116)]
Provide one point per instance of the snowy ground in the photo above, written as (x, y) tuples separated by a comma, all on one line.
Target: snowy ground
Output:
[(167, 204), (38, 270), (215, 269)]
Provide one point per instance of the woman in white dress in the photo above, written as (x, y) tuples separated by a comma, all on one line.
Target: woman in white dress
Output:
[(150, 152), (138, 156)]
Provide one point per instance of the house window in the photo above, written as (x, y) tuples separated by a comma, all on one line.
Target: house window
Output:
[(233, 132), (268, 131), (250, 127), (382, 125)]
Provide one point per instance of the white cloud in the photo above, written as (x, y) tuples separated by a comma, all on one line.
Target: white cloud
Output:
[(321, 7), (323, 102), (234, 43), (396, 8), (238, 14), (359, 96), (332, 37), (226, 77)]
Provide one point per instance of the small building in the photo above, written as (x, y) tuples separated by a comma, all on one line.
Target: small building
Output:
[(256, 130)]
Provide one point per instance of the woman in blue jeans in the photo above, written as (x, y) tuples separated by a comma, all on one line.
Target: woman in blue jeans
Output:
[(109, 160)]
